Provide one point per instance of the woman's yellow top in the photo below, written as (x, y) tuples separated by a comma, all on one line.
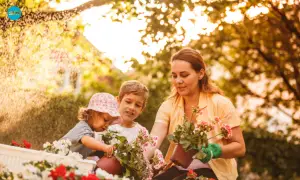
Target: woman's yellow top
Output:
[(171, 112)]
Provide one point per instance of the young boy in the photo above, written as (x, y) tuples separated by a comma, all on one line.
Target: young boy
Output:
[(101, 111), (132, 100)]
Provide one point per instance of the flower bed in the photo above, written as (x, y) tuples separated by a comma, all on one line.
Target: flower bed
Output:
[(14, 157)]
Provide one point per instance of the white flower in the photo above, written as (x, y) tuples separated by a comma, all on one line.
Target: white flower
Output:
[(45, 145), (103, 174), (114, 141), (30, 168), (30, 172), (45, 175), (75, 155)]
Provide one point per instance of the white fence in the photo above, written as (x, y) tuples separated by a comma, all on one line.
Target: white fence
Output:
[(14, 157)]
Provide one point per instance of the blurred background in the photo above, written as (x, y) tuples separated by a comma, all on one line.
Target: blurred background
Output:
[(60, 52)]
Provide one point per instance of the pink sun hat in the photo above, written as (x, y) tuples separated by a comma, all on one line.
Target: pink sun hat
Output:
[(104, 102)]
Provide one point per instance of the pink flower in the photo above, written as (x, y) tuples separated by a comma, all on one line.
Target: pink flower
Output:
[(205, 126), (144, 131), (218, 120), (154, 144), (226, 131)]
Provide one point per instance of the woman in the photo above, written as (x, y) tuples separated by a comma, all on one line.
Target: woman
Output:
[(192, 88)]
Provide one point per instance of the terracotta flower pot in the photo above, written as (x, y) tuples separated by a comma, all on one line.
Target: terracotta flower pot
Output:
[(182, 158), (110, 165)]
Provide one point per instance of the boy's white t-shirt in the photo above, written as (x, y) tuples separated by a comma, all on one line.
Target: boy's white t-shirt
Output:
[(130, 133)]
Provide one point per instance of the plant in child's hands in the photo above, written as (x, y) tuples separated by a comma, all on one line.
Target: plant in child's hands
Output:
[(131, 155)]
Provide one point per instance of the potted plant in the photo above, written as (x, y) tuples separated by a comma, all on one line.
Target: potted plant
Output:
[(130, 155), (111, 164), (191, 137)]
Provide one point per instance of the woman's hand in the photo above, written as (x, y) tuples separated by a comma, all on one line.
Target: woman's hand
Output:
[(212, 151)]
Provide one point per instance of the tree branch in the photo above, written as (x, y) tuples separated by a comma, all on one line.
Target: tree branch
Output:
[(296, 75), (281, 72), (271, 61), (289, 25), (31, 18), (266, 98)]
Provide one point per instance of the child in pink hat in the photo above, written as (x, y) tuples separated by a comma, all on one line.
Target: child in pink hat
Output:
[(102, 110)]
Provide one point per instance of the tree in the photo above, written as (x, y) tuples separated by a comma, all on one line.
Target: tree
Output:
[(255, 49)]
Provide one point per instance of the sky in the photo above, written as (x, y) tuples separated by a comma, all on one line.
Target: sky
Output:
[(120, 41)]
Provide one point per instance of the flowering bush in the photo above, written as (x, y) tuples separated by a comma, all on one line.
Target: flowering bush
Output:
[(44, 170), (191, 175), (61, 147), (158, 160), (194, 136), (25, 144), (5, 173), (131, 155)]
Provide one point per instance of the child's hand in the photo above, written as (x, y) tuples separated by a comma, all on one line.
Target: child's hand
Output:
[(109, 150)]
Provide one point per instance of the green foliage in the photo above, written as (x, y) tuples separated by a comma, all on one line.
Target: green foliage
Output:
[(130, 155), (40, 123), (254, 49), (276, 154)]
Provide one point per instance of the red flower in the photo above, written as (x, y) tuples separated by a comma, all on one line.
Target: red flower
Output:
[(226, 131), (211, 179), (14, 143), (58, 173), (191, 174), (26, 144), (90, 177), (72, 176)]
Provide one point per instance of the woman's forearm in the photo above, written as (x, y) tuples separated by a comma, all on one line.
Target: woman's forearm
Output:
[(233, 150), (160, 130), (236, 145)]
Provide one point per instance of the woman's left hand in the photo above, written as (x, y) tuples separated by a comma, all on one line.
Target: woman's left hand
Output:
[(212, 151)]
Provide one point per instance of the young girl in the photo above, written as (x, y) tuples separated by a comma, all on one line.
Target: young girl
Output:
[(101, 111)]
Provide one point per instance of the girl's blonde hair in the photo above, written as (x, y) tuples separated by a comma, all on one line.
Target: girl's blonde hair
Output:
[(195, 59), (83, 114)]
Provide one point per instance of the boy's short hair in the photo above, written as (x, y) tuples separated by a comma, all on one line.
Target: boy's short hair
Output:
[(134, 87)]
